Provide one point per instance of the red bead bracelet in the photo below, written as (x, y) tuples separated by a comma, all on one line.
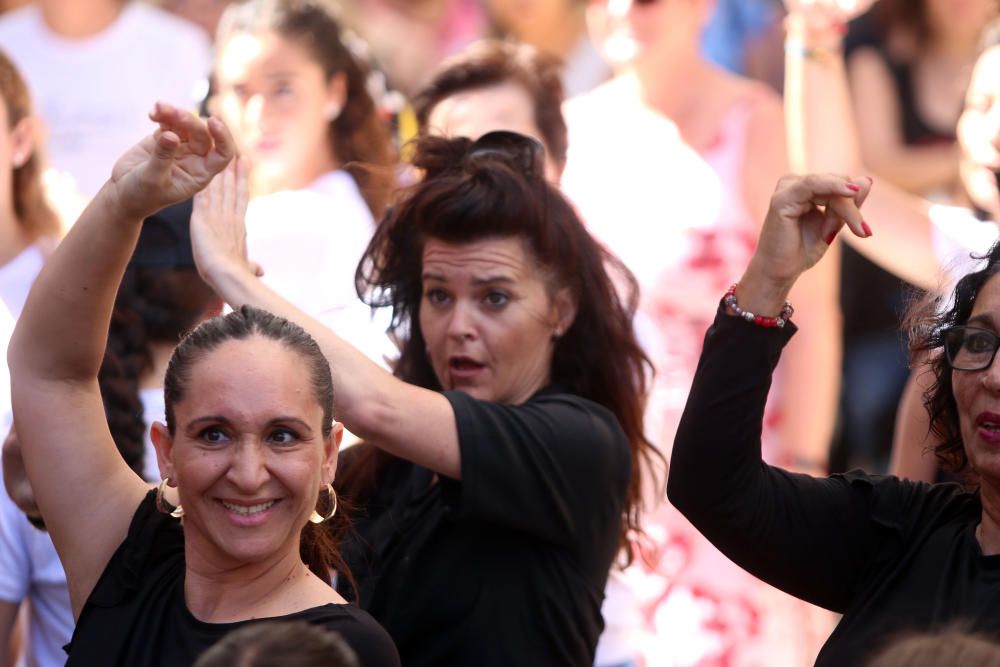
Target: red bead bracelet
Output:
[(760, 320)]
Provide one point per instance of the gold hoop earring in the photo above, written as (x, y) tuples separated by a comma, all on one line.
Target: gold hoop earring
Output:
[(163, 506), (316, 517)]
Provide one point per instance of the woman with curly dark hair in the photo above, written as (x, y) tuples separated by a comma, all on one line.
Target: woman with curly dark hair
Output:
[(892, 555), (496, 482)]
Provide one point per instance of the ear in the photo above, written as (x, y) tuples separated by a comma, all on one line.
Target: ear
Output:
[(331, 449), (336, 96), (22, 141), (564, 311), (164, 444)]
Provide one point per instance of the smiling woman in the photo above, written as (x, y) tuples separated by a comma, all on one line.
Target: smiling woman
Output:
[(250, 444), (495, 482)]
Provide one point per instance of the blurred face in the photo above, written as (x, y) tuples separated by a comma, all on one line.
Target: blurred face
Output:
[(630, 33), (248, 454), (473, 113), (979, 134), (488, 319), (977, 394), (16, 147), (278, 102)]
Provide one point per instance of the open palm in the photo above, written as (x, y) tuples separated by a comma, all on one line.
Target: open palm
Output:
[(172, 164)]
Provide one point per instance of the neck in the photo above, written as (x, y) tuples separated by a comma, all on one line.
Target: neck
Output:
[(241, 591), (561, 38), (671, 88), (13, 239), (74, 19), (988, 532)]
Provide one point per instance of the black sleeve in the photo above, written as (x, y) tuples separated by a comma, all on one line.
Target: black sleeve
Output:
[(817, 539), (554, 467)]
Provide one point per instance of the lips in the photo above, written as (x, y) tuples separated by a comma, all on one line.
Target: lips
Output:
[(988, 426), (247, 514), (464, 368)]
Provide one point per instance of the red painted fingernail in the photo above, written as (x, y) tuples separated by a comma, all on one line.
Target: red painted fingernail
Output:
[(854, 188), (831, 236), (868, 230)]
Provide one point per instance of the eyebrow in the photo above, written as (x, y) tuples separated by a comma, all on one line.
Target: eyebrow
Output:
[(983, 318), (214, 419), (488, 280)]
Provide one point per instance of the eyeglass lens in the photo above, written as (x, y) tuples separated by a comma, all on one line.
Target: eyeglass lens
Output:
[(970, 348)]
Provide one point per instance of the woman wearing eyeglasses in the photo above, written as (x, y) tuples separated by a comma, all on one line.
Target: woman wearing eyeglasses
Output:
[(496, 484), (892, 555)]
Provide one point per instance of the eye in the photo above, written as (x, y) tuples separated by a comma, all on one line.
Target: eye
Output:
[(979, 342), (436, 296), (213, 435), (240, 91), (496, 298), (283, 436), (282, 88)]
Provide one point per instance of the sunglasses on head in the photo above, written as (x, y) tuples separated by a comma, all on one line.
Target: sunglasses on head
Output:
[(519, 150)]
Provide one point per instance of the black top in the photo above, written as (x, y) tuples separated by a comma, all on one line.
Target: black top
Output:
[(136, 615), (891, 555), (507, 566)]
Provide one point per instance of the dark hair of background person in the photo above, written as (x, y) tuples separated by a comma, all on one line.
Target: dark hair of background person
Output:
[(492, 62), (464, 198), (927, 321), (30, 205), (910, 15), (279, 644), (161, 297), (949, 648), (318, 545), (359, 137)]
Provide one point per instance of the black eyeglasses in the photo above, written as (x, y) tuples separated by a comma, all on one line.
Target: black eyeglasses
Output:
[(970, 348), (524, 152)]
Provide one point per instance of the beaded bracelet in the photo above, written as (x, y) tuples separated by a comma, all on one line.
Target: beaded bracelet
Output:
[(760, 320)]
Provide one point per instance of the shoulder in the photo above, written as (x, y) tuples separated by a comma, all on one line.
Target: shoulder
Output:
[(371, 642), (551, 415)]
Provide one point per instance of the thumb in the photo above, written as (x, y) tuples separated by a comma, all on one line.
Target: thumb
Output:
[(163, 153)]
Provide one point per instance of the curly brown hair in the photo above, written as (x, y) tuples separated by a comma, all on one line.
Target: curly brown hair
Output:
[(928, 320)]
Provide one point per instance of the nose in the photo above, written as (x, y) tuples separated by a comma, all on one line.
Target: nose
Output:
[(461, 324), (248, 469)]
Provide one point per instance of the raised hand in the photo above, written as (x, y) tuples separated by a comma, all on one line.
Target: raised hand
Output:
[(218, 223), (805, 216), (172, 164)]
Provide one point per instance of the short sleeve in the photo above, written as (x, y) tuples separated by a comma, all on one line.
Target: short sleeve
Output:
[(15, 571), (553, 467)]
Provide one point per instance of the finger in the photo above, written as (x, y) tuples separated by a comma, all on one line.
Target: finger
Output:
[(185, 124), (163, 152), (846, 210), (225, 145)]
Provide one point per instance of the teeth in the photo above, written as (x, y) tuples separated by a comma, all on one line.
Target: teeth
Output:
[(247, 511)]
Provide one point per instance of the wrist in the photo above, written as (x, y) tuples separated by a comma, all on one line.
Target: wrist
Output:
[(118, 207), (761, 293), (228, 278)]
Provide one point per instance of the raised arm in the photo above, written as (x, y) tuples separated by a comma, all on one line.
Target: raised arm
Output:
[(85, 491), (823, 137), (752, 512), (405, 420)]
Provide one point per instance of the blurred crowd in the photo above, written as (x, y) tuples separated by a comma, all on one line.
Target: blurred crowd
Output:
[(666, 124)]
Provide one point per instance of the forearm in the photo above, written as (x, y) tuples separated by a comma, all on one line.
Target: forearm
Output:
[(918, 169), (62, 332), (822, 136)]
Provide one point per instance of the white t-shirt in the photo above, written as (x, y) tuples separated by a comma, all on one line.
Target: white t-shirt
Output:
[(95, 93), (309, 243), (960, 239)]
